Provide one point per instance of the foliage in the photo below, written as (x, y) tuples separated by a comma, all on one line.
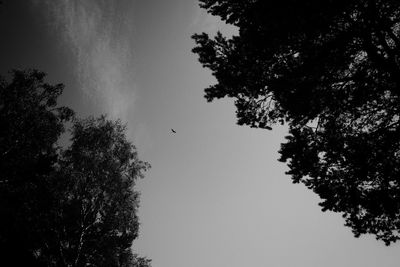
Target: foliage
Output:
[(330, 70), (73, 206), (31, 123), (96, 216)]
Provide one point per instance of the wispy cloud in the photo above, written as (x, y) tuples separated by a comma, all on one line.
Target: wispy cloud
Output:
[(100, 34)]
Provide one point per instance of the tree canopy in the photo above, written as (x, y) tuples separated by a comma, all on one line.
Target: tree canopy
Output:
[(330, 70), (31, 124), (64, 206), (96, 219)]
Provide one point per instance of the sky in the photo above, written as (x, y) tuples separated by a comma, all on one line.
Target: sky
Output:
[(216, 195)]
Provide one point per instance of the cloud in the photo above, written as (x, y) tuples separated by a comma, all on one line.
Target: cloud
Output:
[(100, 34)]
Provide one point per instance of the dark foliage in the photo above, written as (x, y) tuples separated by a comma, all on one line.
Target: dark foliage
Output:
[(330, 70), (31, 123), (71, 206)]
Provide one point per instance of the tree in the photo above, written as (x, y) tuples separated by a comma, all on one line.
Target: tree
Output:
[(31, 124), (96, 216), (330, 71), (73, 206)]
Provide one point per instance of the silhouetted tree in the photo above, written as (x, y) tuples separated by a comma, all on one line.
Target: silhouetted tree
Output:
[(72, 206), (31, 123), (330, 70)]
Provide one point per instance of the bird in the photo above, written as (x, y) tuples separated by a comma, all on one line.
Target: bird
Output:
[(172, 130)]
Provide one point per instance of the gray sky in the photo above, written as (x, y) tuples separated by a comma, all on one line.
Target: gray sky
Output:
[(216, 195)]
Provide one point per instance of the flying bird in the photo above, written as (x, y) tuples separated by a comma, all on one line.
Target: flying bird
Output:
[(172, 130)]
